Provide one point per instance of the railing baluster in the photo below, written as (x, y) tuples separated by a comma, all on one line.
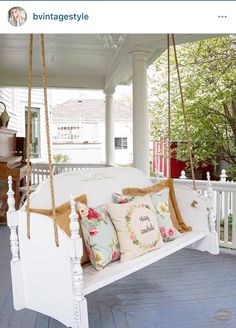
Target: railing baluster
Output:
[(38, 176), (225, 195), (40, 170), (230, 203), (32, 178), (218, 212), (225, 205), (234, 219), (226, 219)]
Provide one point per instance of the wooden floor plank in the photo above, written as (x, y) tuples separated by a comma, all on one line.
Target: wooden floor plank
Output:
[(6, 312), (29, 319), (95, 319), (42, 321), (120, 319), (106, 316), (55, 324), (5, 289), (136, 322), (16, 319), (177, 315)]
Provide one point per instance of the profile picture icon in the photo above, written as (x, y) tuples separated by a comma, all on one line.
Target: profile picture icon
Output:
[(17, 16)]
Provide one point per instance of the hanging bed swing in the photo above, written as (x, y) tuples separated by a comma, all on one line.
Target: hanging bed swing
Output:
[(47, 249)]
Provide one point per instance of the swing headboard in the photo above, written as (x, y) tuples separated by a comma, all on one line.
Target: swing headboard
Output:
[(98, 184)]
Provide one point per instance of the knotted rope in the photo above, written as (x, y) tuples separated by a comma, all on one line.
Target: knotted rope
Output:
[(184, 114), (44, 79), (28, 175)]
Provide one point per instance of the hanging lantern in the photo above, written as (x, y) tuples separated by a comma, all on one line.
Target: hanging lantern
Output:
[(4, 118)]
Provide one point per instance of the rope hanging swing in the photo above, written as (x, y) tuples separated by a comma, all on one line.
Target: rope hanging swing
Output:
[(189, 143), (44, 80)]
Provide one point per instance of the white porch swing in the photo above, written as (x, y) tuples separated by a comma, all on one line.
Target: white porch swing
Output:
[(47, 275)]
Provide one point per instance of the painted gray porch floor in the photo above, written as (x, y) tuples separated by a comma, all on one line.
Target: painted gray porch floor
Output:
[(188, 289)]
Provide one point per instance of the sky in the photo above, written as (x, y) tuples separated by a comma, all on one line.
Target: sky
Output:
[(58, 96)]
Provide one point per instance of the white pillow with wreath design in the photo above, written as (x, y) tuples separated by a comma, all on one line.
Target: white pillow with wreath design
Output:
[(136, 226), (160, 201)]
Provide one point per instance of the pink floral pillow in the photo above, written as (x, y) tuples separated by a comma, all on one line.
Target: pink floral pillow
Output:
[(99, 235), (160, 201), (121, 199)]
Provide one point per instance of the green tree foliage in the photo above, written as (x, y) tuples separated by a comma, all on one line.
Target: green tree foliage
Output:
[(208, 74), (60, 158)]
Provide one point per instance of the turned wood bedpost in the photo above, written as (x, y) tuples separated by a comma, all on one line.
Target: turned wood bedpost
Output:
[(79, 301), (210, 196), (16, 265), (12, 221), (212, 216), (11, 198)]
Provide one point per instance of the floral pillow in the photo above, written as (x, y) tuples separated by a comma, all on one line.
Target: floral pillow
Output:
[(99, 235), (160, 201), (121, 199), (137, 227)]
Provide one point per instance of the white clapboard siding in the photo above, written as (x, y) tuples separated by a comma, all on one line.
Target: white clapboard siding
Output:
[(16, 100), (21, 103)]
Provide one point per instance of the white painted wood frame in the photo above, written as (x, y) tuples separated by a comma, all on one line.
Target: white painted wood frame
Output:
[(49, 279)]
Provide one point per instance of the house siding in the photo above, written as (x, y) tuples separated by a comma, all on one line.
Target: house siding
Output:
[(90, 144), (79, 125), (16, 101), (21, 99)]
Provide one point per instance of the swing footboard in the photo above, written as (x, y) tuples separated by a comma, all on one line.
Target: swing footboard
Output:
[(46, 278), (197, 212)]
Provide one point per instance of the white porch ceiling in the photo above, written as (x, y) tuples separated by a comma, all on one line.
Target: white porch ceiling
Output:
[(78, 60)]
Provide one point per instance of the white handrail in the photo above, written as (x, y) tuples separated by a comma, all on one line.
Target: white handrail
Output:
[(224, 203), (40, 171), (224, 196)]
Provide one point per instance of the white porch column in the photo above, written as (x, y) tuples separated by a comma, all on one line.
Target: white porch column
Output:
[(140, 112), (109, 127)]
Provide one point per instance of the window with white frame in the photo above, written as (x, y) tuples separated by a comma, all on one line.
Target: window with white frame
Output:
[(121, 143), (35, 142)]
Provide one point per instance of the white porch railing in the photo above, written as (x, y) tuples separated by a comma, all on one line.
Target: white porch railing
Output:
[(225, 206), (224, 196), (40, 171)]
